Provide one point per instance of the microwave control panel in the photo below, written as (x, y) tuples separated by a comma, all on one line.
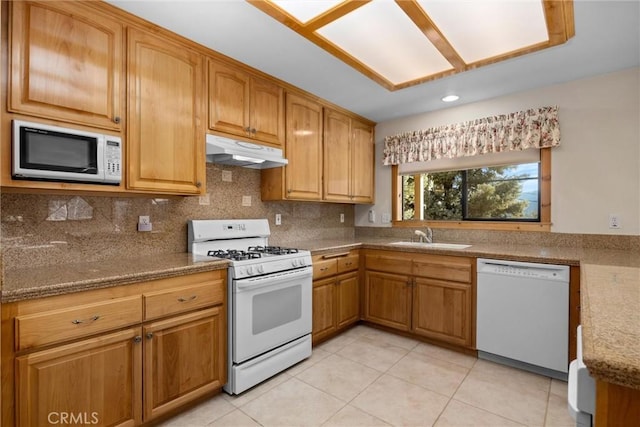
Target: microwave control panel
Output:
[(113, 159)]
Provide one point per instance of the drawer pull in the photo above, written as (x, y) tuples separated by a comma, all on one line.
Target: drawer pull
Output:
[(348, 263), (324, 268), (77, 321), (329, 256), (191, 298)]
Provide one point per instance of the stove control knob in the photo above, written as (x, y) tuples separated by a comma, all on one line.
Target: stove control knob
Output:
[(294, 262), (250, 270), (261, 269)]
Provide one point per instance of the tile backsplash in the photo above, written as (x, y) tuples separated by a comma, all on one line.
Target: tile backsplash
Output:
[(42, 230)]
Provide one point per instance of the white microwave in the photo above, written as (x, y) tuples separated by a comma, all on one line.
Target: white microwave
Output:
[(52, 153)]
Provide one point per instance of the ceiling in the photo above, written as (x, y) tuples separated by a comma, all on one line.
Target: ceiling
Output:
[(607, 38)]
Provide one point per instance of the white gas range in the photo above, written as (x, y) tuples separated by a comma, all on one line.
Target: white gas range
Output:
[(269, 298)]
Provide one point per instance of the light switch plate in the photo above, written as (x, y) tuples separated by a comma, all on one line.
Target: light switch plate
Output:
[(278, 219), (227, 176)]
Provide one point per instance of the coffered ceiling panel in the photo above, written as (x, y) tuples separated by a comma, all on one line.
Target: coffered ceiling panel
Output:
[(404, 43)]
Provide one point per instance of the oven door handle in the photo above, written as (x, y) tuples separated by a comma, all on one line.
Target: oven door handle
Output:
[(273, 279)]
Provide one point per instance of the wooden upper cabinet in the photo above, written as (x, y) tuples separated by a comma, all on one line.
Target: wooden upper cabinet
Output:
[(245, 105), (66, 63), (348, 154), (362, 162), (301, 179), (337, 156), (165, 143)]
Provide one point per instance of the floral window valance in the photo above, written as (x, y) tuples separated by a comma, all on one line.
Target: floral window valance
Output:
[(534, 128)]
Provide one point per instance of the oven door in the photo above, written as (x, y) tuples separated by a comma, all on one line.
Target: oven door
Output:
[(269, 311)]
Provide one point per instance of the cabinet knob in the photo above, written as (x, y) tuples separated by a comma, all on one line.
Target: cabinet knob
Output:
[(253, 131), (137, 338), (149, 335), (247, 129), (289, 191), (116, 119), (198, 184)]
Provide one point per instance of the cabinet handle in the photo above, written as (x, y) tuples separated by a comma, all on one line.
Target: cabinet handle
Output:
[(348, 263), (191, 298), (116, 119), (253, 131), (247, 129), (289, 191), (149, 335), (78, 321), (324, 268), (340, 255), (137, 338), (198, 184)]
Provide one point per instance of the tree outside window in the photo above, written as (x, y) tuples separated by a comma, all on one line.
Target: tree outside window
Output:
[(500, 193)]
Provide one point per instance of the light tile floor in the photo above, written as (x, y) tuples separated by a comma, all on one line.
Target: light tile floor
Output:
[(367, 377)]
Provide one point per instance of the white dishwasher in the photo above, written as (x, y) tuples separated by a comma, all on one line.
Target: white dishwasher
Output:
[(523, 315)]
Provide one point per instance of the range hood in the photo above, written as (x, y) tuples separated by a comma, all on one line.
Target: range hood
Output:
[(228, 151)]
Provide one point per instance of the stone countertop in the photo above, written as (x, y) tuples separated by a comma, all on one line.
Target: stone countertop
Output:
[(27, 283), (610, 300), (526, 253)]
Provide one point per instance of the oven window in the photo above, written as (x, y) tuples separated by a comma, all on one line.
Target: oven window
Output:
[(276, 308)]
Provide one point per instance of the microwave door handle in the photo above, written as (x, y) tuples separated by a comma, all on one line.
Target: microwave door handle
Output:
[(272, 280)]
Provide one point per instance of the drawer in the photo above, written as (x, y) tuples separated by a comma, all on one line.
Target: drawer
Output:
[(324, 268), (348, 263), (389, 264), (55, 326), (444, 269), (185, 298)]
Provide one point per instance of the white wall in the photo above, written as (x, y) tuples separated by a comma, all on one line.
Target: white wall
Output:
[(595, 170)]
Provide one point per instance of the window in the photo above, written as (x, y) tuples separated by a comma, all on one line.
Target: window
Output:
[(512, 194)]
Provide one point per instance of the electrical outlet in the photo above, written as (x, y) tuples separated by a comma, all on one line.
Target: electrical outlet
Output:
[(246, 200), (227, 176), (341, 217), (144, 223), (614, 221)]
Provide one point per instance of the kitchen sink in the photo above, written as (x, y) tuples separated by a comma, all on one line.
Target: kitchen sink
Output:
[(432, 245)]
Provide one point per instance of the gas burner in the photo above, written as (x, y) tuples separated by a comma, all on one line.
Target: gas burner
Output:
[(272, 250), (235, 255)]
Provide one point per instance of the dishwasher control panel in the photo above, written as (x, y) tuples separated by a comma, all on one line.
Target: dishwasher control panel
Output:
[(523, 269)]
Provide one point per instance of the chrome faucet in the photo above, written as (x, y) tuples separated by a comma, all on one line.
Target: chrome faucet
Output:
[(425, 237)]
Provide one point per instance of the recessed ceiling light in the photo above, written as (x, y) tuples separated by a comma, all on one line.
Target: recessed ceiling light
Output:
[(450, 98)]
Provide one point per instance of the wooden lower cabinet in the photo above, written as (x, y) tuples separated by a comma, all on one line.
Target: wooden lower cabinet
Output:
[(348, 300), (336, 293), (387, 299), (165, 346), (173, 372), (68, 384), (324, 308), (427, 295), (442, 310)]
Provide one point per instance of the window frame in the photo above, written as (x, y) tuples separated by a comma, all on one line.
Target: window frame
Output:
[(545, 206)]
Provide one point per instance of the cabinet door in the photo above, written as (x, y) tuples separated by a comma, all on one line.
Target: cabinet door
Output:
[(337, 156), (362, 163), (97, 381), (303, 149), (442, 310), (165, 139), (66, 63), (387, 299), (229, 92), (266, 111), (185, 357), (348, 299), (324, 308)]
